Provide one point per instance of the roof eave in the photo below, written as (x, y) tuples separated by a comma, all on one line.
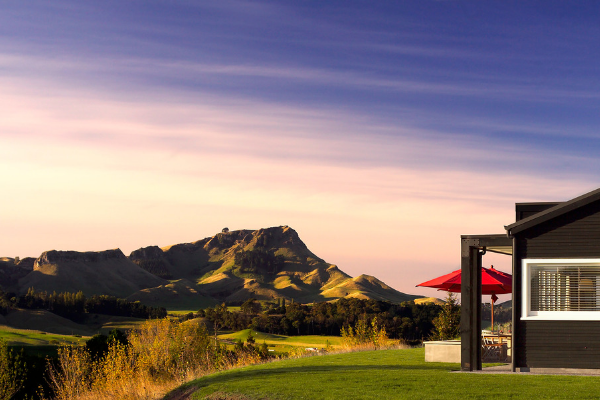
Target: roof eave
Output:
[(553, 212)]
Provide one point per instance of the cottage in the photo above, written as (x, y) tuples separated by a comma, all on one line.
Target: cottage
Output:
[(555, 249)]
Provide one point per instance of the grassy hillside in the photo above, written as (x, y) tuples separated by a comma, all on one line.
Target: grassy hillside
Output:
[(177, 295), (428, 300), (283, 344), (42, 320), (25, 337), (107, 272), (366, 287), (389, 374), (11, 270), (506, 305)]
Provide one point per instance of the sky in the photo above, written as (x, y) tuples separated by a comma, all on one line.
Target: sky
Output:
[(379, 131)]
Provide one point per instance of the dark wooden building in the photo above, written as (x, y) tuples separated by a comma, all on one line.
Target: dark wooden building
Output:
[(555, 249)]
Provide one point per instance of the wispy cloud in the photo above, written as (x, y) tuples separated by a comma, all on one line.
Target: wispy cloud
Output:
[(210, 124), (106, 162), (153, 128), (491, 87)]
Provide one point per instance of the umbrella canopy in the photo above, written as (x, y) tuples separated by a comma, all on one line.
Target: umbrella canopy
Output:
[(492, 282)]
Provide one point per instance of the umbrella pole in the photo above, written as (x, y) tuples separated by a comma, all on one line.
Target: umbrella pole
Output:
[(492, 315), (494, 298)]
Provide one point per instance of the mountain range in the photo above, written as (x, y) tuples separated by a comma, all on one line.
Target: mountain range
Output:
[(231, 266)]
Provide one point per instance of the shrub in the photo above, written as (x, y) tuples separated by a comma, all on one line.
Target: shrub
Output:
[(12, 372), (365, 334), (70, 377), (156, 357), (170, 350)]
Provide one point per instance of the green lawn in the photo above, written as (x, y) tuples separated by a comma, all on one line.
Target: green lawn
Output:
[(386, 374)]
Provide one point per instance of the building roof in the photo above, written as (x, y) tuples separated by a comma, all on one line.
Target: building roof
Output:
[(553, 212)]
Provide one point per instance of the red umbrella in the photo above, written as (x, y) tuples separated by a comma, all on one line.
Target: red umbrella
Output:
[(492, 282)]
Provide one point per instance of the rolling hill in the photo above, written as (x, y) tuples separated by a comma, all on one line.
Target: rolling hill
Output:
[(176, 295), (231, 266)]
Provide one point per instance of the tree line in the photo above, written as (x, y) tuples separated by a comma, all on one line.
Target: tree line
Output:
[(501, 314), (74, 306), (408, 321)]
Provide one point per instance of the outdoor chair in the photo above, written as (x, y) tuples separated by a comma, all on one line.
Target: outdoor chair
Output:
[(492, 351)]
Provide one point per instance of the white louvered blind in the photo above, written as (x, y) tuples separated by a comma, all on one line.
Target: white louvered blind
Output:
[(565, 288)]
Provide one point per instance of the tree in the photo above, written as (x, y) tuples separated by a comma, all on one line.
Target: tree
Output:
[(250, 342), (446, 325), (263, 350), (98, 345), (297, 325), (365, 333), (250, 339), (251, 306), (219, 317)]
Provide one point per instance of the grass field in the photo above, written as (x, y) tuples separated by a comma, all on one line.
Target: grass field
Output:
[(106, 323), (39, 343), (59, 331), (283, 344), (180, 313), (385, 374), (24, 337)]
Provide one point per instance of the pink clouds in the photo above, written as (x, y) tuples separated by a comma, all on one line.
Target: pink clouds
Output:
[(88, 171)]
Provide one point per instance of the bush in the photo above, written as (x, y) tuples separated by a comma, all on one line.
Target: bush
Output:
[(12, 372), (156, 357), (98, 345), (365, 334), (70, 377), (170, 350)]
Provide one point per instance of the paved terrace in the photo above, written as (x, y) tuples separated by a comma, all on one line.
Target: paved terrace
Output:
[(505, 369)]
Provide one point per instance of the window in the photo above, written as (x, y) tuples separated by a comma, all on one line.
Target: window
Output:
[(566, 289)]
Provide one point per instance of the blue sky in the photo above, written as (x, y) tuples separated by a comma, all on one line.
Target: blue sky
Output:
[(396, 125)]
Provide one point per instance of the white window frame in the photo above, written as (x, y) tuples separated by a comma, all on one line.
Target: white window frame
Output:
[(527, 314)]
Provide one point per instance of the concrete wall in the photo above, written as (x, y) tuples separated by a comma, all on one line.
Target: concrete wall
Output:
[(442, 351)]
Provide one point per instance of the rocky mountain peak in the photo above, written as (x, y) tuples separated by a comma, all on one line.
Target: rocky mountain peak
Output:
[(146, 253), (56, 256)]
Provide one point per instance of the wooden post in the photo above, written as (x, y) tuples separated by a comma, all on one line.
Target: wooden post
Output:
[(470, 324)]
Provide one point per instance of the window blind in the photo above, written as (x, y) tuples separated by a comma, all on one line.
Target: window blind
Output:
[(565, 288)]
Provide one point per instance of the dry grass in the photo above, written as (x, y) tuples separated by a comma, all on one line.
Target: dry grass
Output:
[(164, 354), (161, 355)]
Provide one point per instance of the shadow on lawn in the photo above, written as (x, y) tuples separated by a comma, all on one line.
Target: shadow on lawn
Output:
[(236, 374)]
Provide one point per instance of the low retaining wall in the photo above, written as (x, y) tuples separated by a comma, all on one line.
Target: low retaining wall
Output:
[(442, 351)]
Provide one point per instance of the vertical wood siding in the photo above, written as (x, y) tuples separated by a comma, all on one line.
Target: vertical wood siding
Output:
[(527, 210), (558, 344)]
